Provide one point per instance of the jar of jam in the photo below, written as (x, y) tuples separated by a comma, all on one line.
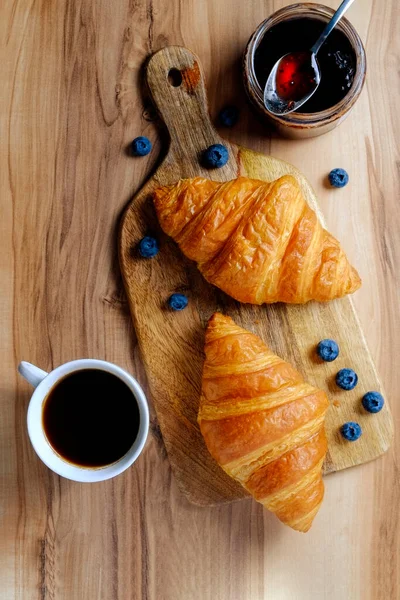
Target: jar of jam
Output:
[(341, 58)]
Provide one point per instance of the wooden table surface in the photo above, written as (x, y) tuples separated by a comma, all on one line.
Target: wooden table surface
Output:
[(71, 101)]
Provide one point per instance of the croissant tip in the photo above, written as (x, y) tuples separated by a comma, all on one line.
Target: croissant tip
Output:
[(356, 280), (303, 529), (218, 318), (218, 324)]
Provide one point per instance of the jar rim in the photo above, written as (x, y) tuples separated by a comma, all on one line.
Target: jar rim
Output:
[(297, 118)]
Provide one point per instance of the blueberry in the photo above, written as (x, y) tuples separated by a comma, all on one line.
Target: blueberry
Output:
[(178, 301), (373, 402), (148, 247), (347, 379), (141, 146), (338, 178), (328, 350), (351, 431), (215, 156), (228, 116)]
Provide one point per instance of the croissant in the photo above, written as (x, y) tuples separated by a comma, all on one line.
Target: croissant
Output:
[(262, 423), (258, 242)]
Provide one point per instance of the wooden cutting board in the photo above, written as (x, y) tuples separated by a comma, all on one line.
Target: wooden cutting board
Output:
[(172, 342)]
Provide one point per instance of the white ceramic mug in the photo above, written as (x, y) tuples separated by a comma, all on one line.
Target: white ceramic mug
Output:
[(43, 383)]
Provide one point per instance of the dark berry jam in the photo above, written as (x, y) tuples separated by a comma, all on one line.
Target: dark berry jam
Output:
[(336, 59), (296, 76)]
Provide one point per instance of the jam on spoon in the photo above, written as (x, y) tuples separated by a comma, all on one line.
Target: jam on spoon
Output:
[(296, 76)]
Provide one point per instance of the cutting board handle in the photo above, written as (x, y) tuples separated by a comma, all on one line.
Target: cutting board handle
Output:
[(176, 84)]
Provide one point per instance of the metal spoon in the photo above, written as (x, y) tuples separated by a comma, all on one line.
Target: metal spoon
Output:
[(308, 67)]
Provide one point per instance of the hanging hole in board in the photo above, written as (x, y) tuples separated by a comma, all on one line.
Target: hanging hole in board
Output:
[(175, 77)]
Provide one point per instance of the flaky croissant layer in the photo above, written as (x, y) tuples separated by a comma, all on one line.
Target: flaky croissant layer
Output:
[(263, 423), (259, 242)]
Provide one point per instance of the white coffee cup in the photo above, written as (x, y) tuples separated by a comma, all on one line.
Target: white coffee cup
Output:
[(43, 383)]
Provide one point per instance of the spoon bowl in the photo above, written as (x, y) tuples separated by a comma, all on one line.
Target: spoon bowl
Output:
[(293, 80)]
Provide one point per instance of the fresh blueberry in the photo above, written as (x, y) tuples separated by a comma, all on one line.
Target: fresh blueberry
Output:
[(338, 178), (351, 431), (373, 402), (328, 350), (347, 379), (228, 116), (215, 156), (141, 146), (148, 247), (178, 301)]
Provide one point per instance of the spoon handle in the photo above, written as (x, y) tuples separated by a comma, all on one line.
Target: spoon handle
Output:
[(332, 23)]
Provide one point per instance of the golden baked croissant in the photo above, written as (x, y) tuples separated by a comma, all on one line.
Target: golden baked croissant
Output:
[(259, 242), (262, 423)]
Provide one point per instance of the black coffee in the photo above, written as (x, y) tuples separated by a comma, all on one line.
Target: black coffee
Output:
[(91, 418)]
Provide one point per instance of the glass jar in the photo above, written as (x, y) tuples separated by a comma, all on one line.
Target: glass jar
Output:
[(297, 124)]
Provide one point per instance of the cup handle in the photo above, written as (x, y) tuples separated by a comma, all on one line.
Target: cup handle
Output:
[(32, 374)]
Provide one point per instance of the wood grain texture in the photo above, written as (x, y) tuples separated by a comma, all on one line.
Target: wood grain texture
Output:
[(172, 344), (71, 101)]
